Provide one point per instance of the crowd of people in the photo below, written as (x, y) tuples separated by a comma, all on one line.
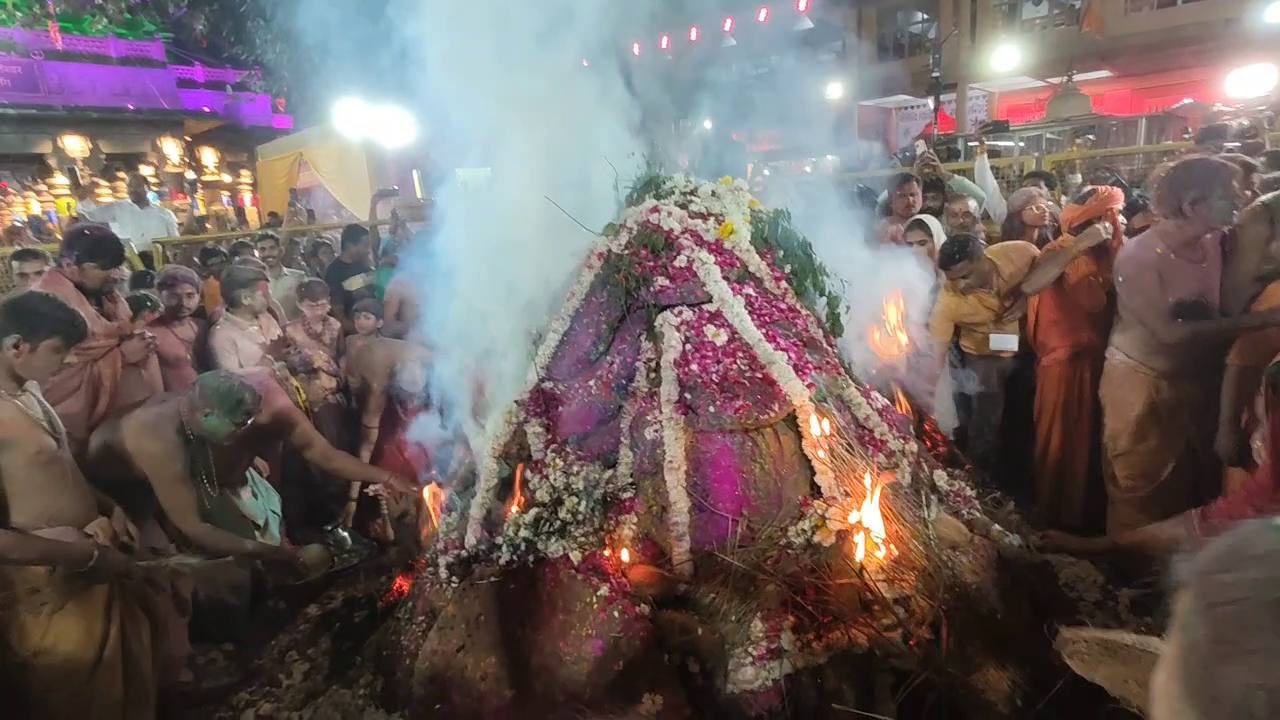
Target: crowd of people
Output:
[(1129, 339), (239, 409), (1135, 331)]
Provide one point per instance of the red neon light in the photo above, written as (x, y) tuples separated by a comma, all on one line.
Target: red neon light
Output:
[(728, 24), (802, 5), (664, 42), (693, 34), (763, 15), (635, 49)]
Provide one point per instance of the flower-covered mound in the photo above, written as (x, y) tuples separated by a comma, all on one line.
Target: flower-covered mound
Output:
[(687, 411)]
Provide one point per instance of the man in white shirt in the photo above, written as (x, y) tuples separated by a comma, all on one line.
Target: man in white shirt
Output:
[(137, 221), (283, 281)]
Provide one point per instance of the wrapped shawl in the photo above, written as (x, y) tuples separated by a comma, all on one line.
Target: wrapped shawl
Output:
[(96, 383)]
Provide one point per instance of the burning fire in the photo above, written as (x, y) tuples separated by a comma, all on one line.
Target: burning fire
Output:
[(890, 341), (870, 521), (900, 402), (624, 555), (433, 500), (517, 495)]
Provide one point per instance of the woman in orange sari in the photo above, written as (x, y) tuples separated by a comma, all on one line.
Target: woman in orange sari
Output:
[(1068, 324)]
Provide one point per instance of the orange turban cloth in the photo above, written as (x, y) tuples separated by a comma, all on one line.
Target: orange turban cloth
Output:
[(1090, 273), (1105, 204)]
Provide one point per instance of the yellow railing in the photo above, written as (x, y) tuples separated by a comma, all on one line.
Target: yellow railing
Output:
[(182, 249)]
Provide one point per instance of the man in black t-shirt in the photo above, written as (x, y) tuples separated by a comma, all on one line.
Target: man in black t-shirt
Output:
[(350, 275)]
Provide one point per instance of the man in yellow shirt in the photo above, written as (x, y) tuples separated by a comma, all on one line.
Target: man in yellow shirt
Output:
[(982, 303)]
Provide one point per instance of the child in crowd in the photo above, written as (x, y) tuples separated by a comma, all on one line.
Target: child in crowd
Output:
[(143, 308), (319, 255), (366, 314), (142, 280)]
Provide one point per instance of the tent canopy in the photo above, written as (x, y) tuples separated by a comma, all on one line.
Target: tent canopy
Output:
[(340, 165)]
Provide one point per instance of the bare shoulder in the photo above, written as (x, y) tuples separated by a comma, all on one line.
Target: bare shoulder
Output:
[(147, 435)]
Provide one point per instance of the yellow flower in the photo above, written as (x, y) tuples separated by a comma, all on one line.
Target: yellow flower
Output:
[(726, 180), (726, 231), (754, 204)]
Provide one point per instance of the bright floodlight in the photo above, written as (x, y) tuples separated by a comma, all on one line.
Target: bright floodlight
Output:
[(707, 124), (1271, 15), (1006, 57), (1251, 81), (834, 90), (351, 117), (392, 127)]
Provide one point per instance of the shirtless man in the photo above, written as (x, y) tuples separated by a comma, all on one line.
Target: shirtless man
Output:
[(198, 452), (388, 381), (87, 646), (1158, 410)]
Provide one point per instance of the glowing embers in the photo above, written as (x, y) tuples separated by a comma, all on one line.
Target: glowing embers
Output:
[(889, 340), (868, 521)]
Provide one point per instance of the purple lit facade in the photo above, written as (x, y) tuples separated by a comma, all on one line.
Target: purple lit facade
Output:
[(148, 84)]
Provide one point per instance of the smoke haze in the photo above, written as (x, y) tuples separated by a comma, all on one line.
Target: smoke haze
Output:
[(503, 86)]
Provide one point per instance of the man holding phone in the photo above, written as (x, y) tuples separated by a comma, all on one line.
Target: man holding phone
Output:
[(137, 221)]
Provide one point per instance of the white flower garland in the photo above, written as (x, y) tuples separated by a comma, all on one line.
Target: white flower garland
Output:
[(674, 440), (626, 457), (775, 363), (500, 432)]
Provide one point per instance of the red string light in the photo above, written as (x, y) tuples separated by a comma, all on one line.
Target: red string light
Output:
[(762, 16)]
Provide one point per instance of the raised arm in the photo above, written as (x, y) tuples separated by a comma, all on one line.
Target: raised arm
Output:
[(308, 441)]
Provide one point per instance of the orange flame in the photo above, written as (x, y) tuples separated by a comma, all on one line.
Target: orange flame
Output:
[(900, 402), (870, 521), (890, 341), (433, 500), (517, 495)]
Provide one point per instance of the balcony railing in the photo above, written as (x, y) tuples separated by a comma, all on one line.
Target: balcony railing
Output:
[(1141, 6), (1030, 16)]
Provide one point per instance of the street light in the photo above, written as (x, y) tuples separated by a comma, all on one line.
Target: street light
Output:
[(707, 124), (1251, 81), (350, 117), (1271, 15), (834, 90), (1006, 57), (390, 126)]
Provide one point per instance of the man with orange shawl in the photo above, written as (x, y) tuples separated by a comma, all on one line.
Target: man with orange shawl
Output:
[(1068, 324), (116, 368)]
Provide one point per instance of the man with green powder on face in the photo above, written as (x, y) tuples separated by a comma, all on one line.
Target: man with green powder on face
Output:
[(198, 451)]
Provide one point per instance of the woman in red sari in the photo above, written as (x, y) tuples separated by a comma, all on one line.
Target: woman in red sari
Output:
[(1258, 497)]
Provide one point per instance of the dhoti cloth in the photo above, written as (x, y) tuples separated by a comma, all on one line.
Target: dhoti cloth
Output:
[(78, 651), (1157, 434), (1068, 489)]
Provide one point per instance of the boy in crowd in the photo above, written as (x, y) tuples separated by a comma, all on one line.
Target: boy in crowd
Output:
[(366, 315), (28, 266)]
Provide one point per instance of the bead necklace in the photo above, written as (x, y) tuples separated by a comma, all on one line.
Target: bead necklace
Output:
[(206, 470)]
